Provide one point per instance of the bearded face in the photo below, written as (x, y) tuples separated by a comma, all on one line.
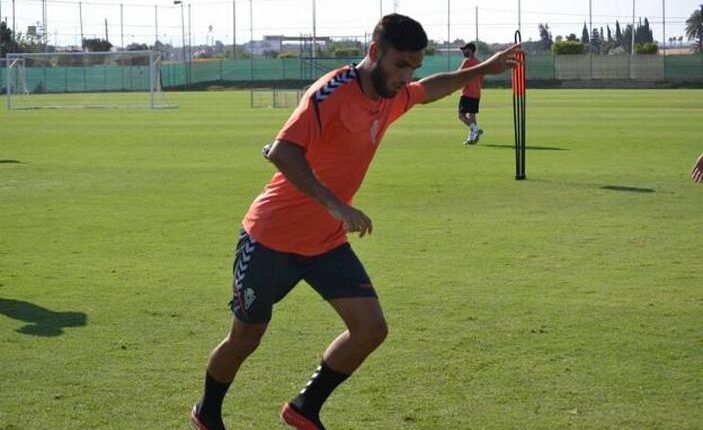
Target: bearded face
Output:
[(393, 70)]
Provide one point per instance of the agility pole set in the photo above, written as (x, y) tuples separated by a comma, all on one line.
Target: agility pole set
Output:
[(519, 110)]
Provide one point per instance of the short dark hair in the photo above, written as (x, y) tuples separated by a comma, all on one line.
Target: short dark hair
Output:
[(470, 46), (400, 32)]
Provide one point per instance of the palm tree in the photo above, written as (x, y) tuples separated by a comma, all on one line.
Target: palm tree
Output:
[(694, 28)]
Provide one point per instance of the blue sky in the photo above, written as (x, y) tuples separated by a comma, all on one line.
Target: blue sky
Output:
[(213, 19)]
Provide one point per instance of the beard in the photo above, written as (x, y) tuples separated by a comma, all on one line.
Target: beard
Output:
[(380, 81)]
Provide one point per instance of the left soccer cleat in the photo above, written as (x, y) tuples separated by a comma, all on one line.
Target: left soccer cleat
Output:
[(293, 418), (477, 135)]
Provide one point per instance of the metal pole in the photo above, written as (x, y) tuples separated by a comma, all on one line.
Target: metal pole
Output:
[(590, 38), (314, 38), (14, 33), (45, 34), (121, 26), (477, 28), (234, 29), (183, 42), (590, 26), (664, 27), (156, 24), (80, 19), (190, 50), (519, 17), (632, 42), (106, 35), (251, 40), (380, 10), (449, 34)]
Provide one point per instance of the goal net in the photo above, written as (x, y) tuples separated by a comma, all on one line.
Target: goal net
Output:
[(84, 80), (275, 97)]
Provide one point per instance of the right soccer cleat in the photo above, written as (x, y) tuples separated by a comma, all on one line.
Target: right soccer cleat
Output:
[(293, 418), (195, 421)]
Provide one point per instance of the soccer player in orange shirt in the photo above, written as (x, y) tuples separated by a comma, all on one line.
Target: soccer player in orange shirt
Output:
[(296, 229), (470, 96)]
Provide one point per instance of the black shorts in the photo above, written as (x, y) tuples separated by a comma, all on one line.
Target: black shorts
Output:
[(263, 276), (468, 104)]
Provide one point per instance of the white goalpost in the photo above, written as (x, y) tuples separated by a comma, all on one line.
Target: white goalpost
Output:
[(130, 79)]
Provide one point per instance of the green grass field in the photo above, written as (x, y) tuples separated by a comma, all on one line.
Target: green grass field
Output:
[(570, 300)]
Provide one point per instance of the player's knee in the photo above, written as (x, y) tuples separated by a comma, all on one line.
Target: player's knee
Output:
[(241, 348), (371, 336), (243, 342)]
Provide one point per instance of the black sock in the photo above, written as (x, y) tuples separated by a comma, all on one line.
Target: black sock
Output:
[(210, 408), (321, 385)]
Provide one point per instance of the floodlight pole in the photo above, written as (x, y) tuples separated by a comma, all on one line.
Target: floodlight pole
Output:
[(234, 30), (449, 37), (477, 29), (632, 41), (519, 17), (80, 20), (44, 33), (251, 41), (664, 28), (314, 39), (183, 38), (156, 24), (122, 25), (190, 51)]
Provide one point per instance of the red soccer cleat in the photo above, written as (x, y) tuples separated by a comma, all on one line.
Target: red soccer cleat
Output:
[(296, 420)]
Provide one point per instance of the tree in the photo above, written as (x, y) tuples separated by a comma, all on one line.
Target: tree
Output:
[(627, 38), (545, 36), (584, 35), (569, 47), (596, 41), (137, 47), (96, 45), (694, 28), (7, 40), (572, 38), (610, 35), (643, 34), (618, 34), (646, 49)]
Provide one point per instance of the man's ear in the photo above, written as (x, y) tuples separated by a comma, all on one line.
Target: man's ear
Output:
[(373, 52)]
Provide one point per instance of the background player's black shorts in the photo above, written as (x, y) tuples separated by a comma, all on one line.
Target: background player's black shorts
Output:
[(468, 104), (263, 276)]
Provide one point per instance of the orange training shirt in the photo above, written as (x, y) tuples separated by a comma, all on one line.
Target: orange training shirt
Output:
[(473, 88), (339, 128)]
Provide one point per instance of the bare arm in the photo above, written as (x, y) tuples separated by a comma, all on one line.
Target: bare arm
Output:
[(290, 160), (443, 84)]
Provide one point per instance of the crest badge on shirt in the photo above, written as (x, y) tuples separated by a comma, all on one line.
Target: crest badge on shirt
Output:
[(374, 131)]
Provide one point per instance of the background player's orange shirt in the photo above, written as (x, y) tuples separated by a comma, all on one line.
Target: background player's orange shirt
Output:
[(339, 129), (473, 88)]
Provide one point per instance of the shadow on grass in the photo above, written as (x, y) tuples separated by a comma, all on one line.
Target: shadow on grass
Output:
[(41, 321), (627, 189), (527, 147), (11, 162)]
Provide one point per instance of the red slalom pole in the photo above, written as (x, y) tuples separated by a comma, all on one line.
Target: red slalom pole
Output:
[(519, 96)]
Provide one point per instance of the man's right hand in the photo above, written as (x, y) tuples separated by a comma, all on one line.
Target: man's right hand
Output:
[(353, 219)]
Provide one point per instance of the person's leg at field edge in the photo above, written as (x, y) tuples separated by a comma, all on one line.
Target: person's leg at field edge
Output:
[(366, 330), (225, 360)]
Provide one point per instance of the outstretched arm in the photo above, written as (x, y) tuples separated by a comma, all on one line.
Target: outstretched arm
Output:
[(443, 84), (697, 172)]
